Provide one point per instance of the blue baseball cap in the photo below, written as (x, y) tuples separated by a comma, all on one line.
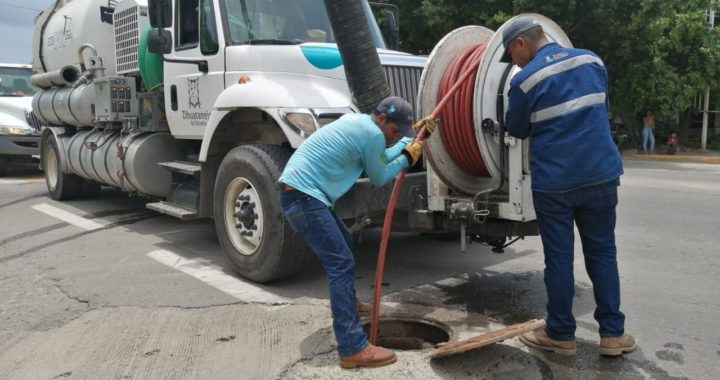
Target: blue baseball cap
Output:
[(399, 112), (513, 30)]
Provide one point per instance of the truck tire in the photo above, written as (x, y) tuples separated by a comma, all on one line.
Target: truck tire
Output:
[(248, 217), (3, 166), (61, 186)]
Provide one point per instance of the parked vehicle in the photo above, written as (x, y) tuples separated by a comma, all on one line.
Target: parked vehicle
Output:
[(198, 105), (19, 129)]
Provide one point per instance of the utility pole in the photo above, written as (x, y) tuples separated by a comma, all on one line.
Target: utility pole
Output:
[(706, 112)]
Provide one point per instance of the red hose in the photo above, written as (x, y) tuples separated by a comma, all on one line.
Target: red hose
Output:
[(467, 64), (457, 115)]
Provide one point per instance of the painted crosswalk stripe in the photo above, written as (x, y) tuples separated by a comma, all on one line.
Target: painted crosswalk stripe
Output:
[(215, 277), (68, 217)]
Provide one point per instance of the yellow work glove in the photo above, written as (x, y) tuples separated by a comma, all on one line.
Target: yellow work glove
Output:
[(413, 151), (428, 122)]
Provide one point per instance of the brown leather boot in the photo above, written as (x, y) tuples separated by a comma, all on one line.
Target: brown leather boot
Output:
[(370, 356), (541, 341), (617, 345)]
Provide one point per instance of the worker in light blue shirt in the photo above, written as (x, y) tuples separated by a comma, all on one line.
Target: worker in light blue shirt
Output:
[(320, 171), (327, 165), (559, 100)]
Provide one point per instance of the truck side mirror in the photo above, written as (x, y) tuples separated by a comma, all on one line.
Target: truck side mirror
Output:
[(159, 41), (391, 28), (392, 31), (160, 13)]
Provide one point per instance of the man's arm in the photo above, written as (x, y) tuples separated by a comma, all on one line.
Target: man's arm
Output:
[(378, 166), (517, 117), (394, 151)]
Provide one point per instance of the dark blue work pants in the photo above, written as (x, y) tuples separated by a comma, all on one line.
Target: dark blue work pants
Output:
[(331, 241), (592, 209)]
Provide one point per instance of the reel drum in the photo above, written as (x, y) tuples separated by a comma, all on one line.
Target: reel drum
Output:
[(487, 85)]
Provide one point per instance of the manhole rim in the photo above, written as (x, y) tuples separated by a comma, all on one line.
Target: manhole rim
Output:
[(404, 317)]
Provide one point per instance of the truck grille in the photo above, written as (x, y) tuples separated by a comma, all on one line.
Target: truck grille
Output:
[(32, 120), (404, 82)]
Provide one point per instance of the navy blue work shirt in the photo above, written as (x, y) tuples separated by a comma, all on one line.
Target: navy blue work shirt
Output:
[(559, 100)]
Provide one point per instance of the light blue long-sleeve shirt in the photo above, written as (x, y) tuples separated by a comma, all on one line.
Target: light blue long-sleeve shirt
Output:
[(327, 164)]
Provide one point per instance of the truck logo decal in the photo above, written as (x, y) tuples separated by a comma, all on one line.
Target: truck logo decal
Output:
[(193, 93)]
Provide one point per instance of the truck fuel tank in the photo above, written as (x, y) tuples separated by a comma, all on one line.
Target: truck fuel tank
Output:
[(129, 162)]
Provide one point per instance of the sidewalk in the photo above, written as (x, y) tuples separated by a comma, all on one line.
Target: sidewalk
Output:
[(708, 157)]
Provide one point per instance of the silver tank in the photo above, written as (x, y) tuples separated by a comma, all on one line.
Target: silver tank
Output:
[(65, 105), (63, 27), (96, 155)]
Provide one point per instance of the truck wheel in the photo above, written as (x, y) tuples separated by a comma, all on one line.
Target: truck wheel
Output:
[(61, 186), (248, 217), (3, 166)]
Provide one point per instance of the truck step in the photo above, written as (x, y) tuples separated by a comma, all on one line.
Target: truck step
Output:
[(179, 212), (184, 167)]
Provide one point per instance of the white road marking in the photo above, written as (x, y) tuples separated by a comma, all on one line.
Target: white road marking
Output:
[(215, 277), (13, 181), (68, 217)]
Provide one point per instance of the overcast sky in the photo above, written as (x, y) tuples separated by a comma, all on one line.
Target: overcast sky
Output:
[(16, 28)]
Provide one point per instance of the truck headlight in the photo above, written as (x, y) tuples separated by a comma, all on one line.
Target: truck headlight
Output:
[(302, 120), (14, 130)]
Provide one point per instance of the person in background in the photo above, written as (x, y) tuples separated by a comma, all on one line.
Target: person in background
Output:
[(559, 100), (672, 143), (648, 132)]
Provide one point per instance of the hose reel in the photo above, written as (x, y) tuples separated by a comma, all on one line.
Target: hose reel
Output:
[(467, 154)]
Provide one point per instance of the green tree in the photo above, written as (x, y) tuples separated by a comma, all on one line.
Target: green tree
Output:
[(424, 22), (659, 53)]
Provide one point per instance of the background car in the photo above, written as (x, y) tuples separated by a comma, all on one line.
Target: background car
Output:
[(19, 129)]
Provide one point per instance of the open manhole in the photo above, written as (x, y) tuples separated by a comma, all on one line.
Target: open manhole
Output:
[(409, 333)]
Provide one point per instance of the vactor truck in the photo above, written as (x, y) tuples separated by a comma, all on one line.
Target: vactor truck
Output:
[(203, 128)]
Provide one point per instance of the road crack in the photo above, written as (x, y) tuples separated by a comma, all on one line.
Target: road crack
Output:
[(70, 296), (303, 360)]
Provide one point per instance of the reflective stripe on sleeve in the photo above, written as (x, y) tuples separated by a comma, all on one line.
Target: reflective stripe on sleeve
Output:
[(558, 68), (567, 107)]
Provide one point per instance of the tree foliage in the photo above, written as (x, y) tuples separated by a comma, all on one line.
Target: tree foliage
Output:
[(660, 53)]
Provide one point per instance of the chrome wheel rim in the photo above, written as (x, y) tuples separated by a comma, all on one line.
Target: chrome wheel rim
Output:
[(51, 168), (243, 216)]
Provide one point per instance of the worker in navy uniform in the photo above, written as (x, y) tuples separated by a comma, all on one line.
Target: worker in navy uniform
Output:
[(559, 100)]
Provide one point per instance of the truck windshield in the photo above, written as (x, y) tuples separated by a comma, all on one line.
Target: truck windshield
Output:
[(285, 22), (15, 81)]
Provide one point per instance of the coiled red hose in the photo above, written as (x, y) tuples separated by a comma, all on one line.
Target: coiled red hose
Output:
[(458, 132), (463, 68)]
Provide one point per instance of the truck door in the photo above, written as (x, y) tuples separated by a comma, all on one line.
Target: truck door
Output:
[(192, 85)]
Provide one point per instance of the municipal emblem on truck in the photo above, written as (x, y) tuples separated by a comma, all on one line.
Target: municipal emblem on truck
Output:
[(193, 93)]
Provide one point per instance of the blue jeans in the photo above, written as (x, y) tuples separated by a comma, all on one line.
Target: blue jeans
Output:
[(331, 241), (648, 137), (592, 209)]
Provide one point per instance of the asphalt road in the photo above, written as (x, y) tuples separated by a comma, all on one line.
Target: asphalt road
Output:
[(103, 288)]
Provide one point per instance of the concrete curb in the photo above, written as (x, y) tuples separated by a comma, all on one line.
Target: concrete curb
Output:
[(675, 158)]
